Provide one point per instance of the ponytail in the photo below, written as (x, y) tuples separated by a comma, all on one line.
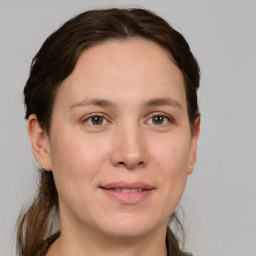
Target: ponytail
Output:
[(35, 224)]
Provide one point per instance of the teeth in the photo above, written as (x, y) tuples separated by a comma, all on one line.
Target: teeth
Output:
[(127, 190)]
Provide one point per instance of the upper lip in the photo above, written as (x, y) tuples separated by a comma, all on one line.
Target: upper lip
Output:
[(127, 185)]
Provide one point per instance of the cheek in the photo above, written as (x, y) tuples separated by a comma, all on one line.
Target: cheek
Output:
[(173, 154), (74, 151), (172, 161), (75, 163), (76, 167)]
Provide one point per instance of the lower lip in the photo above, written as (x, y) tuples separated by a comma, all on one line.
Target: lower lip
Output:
[(128, 198)]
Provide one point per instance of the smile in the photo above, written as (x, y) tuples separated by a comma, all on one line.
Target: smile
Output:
[(128, 193), (127, 190)]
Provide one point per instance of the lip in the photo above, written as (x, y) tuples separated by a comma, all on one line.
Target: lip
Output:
[(127, 198), (128, 185)]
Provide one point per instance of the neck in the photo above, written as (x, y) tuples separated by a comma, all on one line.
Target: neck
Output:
[(89, 242)]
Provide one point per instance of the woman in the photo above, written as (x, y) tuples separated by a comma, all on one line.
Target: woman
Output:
[(113, 121)]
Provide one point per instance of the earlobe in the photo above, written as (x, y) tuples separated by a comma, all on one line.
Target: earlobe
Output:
[(194, 144), (39, 142)]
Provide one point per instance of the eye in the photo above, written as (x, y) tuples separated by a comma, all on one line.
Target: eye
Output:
[(159, 119), (95, 120)]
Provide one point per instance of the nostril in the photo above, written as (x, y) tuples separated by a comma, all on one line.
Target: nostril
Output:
[(131, 165)]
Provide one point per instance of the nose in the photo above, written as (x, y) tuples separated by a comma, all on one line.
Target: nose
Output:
[(129, 150)]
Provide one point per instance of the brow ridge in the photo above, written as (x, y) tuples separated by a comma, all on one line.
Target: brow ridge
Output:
[(96, 102), (107, 103), (163, 101)]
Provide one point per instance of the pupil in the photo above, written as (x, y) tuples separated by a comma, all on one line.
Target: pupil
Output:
[(97, 120), (158, 120)]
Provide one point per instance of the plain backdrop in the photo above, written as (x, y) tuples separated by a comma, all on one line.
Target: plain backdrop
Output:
[(220, 199)]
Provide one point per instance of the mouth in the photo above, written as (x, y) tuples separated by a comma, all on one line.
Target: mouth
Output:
[(127, 190), (126, 187), (128, 193)]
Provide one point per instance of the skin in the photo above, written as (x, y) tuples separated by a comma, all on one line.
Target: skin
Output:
[(127, 76)]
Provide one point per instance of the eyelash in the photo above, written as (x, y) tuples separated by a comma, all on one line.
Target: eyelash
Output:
[(167, 119), (89, 118)]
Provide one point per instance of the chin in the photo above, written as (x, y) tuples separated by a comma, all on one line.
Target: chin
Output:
[(129, 226), (128, 232)]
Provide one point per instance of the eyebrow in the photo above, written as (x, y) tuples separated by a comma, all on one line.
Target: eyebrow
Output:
[(94, 102), (107, 103), (162, 102)]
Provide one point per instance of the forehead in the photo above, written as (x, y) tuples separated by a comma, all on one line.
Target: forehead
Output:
[(135, 67), (123, 54)]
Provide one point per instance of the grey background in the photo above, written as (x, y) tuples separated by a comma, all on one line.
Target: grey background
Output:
[(220, 198)]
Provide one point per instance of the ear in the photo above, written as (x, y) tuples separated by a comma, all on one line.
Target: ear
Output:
[(40, 144), (194, 145)]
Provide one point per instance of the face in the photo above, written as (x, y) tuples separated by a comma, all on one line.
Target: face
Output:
[(120, 145)]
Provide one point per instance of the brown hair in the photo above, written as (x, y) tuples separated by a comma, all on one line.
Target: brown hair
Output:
[(56, 60)]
